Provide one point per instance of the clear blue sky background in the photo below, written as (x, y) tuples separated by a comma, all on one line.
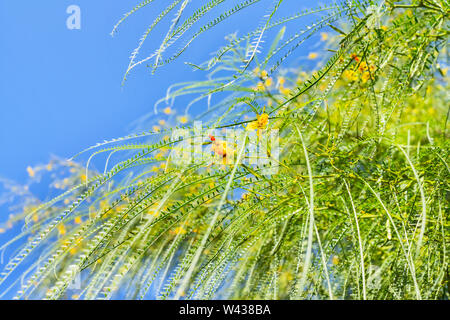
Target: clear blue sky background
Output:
[(60, 89)]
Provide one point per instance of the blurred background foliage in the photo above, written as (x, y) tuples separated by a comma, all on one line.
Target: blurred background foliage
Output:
[(357, 209)]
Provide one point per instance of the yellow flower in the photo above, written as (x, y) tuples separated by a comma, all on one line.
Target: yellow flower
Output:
[(167, 110), (49, 167), (61, 229), (2, 230), (104, 204), (181, 293), (312, 56), (284, 91), (335, 260), (156, 128), (362, 67), (179, 230), (35, 217), (365, 77), (83, 177), (221, 148), (350, 75), (323, 36), (281, 81), (263, 74), (78, 220), (268, 82), (260, 123), (245, 196), (162, 122), (154, 212), (183, 119), (260, 86), (31, 172)]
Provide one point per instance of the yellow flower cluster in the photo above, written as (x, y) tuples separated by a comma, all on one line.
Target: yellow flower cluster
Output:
[(281, 88), (312, 55), (31, 172), (179, 230), (260, 123), (221, 148), (360, 71)]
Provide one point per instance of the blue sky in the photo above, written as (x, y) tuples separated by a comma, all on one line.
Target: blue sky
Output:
[(60, 89)]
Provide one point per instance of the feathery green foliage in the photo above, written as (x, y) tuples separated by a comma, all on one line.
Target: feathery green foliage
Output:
[(357, 209)]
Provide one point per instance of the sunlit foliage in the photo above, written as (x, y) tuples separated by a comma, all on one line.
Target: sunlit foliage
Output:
[(357, 209)]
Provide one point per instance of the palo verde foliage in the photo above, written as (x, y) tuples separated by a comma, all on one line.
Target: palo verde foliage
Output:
[(357, 209)]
